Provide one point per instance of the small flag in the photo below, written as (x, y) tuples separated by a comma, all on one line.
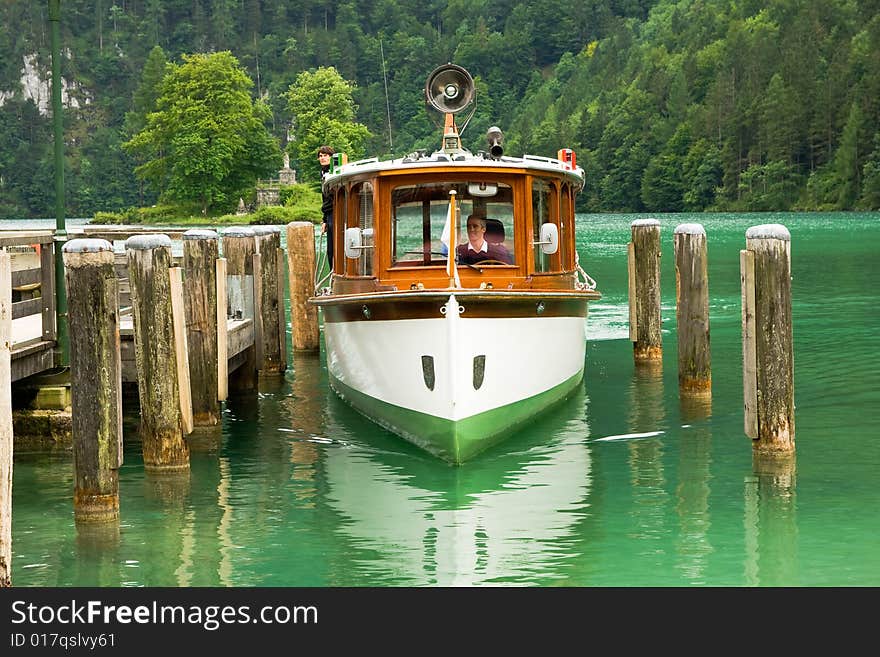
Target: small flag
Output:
[(447, 230)]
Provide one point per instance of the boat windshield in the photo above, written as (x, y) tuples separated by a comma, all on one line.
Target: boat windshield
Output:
[(422, 229)]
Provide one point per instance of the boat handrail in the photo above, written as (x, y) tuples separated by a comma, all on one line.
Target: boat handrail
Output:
[(546, 160), (358, 163)]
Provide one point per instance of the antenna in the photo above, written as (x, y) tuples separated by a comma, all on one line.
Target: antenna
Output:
[(387, 106)]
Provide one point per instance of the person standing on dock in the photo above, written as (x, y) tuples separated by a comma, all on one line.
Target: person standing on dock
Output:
[(325, 154)]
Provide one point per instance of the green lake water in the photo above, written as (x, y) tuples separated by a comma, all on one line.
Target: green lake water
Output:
[(620, 485)]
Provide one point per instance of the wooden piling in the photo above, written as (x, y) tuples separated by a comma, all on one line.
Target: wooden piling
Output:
[(149, 261), (201, 249), (95, 378), (222, 332), (769, 246), (692, 310), (268, 245), (5, 419), (645, 304), (239, 248), (301, 271), (181, 352), (750, 374)]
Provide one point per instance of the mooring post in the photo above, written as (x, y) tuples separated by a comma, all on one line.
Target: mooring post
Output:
[(222, 323), (268, 239), (149, 262), (692, 310), (201, 249), (239, 249), (301, 268), (95, 378), (768, 360), (644, 298), (5, 419)]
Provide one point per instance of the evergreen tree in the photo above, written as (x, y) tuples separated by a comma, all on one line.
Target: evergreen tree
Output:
[(847, 165), (870, 198), (701, 176)]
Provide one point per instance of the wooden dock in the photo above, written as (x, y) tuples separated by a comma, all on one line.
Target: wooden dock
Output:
[(33, 309), (33, 300)]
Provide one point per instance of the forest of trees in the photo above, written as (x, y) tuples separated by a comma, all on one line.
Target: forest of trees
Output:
[(670, 105)]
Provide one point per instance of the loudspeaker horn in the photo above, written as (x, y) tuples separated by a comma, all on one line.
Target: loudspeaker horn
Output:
[(449, 88)]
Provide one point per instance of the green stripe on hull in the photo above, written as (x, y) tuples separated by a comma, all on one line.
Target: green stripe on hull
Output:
[(454, 441)]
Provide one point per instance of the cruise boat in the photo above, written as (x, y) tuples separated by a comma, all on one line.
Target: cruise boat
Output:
[(457, 307)]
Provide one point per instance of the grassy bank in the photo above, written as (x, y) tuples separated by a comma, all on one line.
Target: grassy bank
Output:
[(298, 203)]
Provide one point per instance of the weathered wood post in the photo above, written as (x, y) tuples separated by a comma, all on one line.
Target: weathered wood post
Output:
[(268, 239), (149, 261), (95, 378), (201, 248), (301, 267), (768, 360), (5, 419), (239, 248), (692, 310), (644, 291)]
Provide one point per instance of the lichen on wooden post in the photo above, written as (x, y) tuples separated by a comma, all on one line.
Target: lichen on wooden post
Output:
[(268, 245), (95, 378), (301, 271), (770, 245), (201, 249), (648, 343), (692, 310), (161, 427)]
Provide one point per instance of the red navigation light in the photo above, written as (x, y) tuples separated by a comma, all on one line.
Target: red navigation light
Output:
[(568, 158)]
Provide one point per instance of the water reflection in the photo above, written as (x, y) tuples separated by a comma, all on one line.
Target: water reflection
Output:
[(692, 504), (97, 550), (694, 408), (647, 473), (168, 495), (770, 522), (305, 407), (205, 439), (503, 518)]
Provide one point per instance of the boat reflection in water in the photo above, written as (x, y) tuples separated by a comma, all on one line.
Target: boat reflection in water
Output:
[(501, 519)]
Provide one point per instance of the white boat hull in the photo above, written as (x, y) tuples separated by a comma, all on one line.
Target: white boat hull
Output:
[(454, 384)]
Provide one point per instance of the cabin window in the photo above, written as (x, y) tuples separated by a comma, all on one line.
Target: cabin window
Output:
[(363, 195), (420, 216), (543, 211), (566, 227)]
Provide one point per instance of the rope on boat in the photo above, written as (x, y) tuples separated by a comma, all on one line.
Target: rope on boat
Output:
[(587, 283)]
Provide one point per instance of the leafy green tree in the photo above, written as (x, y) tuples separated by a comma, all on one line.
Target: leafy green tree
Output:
[(766, 187), (323, 111), (207, 142)]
